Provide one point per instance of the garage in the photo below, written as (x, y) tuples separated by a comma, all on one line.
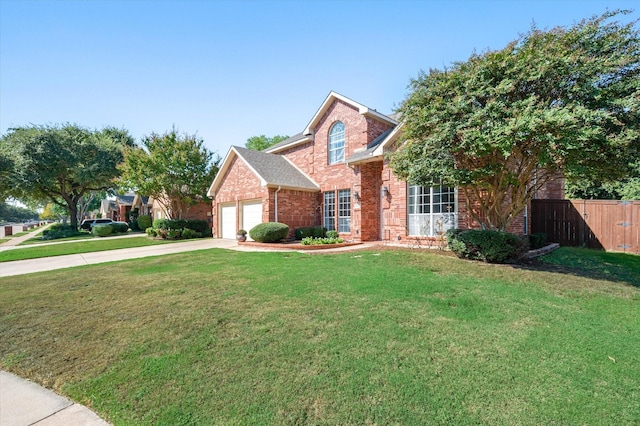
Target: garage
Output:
[(228, 221), (251, 214)]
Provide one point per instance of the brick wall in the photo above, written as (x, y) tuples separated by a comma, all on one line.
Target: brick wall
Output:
[(239, 183), (297, 209), (394, 206), (312, 159)]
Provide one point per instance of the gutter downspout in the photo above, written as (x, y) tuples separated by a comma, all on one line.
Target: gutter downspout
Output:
[(276, 203)]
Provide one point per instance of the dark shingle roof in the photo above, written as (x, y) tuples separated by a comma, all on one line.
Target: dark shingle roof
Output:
[(363, 155), (125, 199), (275, 169), (286, 142)]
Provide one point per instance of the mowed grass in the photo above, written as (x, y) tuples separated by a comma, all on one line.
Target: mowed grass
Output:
[(48, 250), (368, 337)]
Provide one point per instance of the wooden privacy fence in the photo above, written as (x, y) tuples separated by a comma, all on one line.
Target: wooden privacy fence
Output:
[(599, 224)]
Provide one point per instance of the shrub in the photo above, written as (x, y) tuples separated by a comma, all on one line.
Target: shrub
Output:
[(269, 232), (58, 230), (188, 233), (537, 240), (144, 222), (333, 234), (310, 241), (102, 230), (310, 231), (486, 245), (133, 224), (201, 226), (150, 232), (173, 234), (119, 227)]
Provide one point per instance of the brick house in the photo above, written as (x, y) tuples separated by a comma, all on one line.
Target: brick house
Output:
[(335, 174)]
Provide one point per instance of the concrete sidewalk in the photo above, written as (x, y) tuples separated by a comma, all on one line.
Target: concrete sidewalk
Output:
[(23, 403), (20, 267)]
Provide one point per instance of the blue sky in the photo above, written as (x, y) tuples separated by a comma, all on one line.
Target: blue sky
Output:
[(229, 70)]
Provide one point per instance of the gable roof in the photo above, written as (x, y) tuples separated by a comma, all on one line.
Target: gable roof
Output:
[(272, 170), (375, 149), (307, 134), (125, 200)]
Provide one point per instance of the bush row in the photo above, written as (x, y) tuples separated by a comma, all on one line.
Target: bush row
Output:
[(58, 230), (173, 234), (201, 226), (486, 245), (310, 231), (104, 229), (311, 241)]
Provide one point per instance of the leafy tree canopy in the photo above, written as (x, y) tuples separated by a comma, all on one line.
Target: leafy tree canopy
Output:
[(9, 213), (176, 170), (262, 142), (63, 163), (627, 188), (505, 122)]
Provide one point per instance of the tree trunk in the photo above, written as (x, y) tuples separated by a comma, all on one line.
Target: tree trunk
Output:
[(73, 215)]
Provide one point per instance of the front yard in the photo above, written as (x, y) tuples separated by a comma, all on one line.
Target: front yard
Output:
[(367, 337), (70, 246)]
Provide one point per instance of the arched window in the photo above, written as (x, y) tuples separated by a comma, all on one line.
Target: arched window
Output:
[(336, 143)]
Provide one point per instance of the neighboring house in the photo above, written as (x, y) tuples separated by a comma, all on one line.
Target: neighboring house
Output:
[(108, 209), (124, 204), (199, 211), (142, 204), (335, 174)]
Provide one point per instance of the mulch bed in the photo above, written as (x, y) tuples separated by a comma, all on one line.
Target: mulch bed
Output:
[(296, 245)]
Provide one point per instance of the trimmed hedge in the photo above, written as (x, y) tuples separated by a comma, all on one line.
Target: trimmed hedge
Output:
[(102, 230), (310, 231), (537, 240), (201, 226), (486, 245), (269, 232), (144, 222), (119, 227)]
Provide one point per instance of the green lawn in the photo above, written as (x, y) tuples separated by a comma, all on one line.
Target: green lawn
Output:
[(99, 244), (368, 337)]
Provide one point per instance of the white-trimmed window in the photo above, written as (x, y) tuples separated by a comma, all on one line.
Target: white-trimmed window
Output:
[(340, 210), (344, 210), (336, 143), (330, 211), (431, 210)]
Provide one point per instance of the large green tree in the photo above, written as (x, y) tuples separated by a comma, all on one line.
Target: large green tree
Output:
[(62, 164), (503, 123), (176, 170), (261, 142)]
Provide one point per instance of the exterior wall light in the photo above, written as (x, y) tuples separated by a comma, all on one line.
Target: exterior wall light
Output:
[(385, 191), (356, 195)]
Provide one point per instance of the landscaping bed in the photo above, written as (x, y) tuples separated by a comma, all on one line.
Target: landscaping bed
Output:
[(296, 245)]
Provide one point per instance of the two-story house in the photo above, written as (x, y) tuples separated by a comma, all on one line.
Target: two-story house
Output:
[(335, 174)]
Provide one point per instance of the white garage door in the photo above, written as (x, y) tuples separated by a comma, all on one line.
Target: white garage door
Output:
[(228, 221), (251, 215)]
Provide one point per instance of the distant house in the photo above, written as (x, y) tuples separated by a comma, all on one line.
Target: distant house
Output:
[(124, 203), (108, 209), (335, 174), (142, 204), (199, 211)]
